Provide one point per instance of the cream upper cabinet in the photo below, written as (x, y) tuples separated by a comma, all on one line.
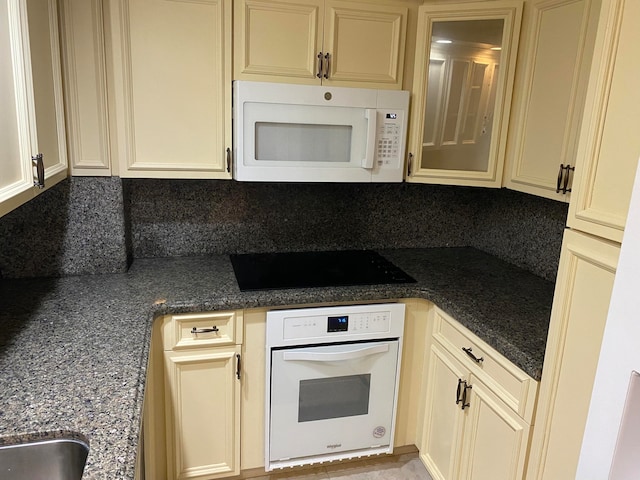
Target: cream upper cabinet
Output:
[(33, 153), (463, 81), (170, 75), (609, 145), (581, 302), (549, 93), (478, 407), (83, 41), (343, 43)]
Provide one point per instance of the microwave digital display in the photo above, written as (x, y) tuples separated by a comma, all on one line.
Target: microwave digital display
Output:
[(338, 324), (392, 115)]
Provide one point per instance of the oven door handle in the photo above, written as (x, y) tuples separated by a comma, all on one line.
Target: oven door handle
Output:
[(335, 356)]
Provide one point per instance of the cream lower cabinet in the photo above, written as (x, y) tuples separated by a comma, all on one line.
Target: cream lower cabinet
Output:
[(192, 404), (581, 302), (202, 407), (477, 413), (333, 42)]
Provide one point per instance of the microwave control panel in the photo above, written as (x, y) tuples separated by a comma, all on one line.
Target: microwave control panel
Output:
[(389, 138)]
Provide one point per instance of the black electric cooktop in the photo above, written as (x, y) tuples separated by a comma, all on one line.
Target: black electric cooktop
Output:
[(267, 271)]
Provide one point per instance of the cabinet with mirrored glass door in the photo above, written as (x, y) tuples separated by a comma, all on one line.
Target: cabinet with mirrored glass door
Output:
[(462, 88)]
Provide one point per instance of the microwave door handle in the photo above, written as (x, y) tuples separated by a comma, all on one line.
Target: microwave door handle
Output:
[(371, 114), (335, 356)]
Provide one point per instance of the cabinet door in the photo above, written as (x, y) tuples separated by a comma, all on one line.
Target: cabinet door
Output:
[(581, 301), (202, 404), (85, 86), (31, 100), (172, 87), (463, 79), (278, 41), (443, 420), (549, 95), (609, 144), (365, 43), (495, 438)]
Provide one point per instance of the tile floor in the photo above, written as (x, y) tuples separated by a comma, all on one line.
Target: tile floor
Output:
[(397, 467)]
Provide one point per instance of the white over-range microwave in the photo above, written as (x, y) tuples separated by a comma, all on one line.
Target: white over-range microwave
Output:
[(303, 133)]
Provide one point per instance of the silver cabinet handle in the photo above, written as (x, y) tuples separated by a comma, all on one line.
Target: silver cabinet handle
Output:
[(195, 330), (468, 351), (38, 162), (319, 74), (327, 59)]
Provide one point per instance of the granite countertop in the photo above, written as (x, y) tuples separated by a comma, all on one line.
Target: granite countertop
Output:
[(73, 350)]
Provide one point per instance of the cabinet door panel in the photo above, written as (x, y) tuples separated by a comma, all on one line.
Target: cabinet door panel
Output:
[(202, 411), (85, 86), (280, 39), (496, 439), (366, 43), (31, 100), (581, 302), (15, 144), (443, 421), (609, 144), (175, 68), (47, 85), (459, 124), (550, 93)]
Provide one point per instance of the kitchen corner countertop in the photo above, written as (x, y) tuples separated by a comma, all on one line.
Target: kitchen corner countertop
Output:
[(73, 350)]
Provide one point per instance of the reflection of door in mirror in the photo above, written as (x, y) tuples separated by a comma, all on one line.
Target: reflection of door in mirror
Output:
[(461, 92)]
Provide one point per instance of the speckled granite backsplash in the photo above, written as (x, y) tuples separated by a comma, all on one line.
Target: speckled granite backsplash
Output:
[(76, 227), (93, 225)]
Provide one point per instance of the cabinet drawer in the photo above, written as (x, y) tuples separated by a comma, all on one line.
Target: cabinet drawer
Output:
[(511, 384), (200, 330)]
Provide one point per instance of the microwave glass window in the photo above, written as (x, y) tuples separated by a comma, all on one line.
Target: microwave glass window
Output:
[(298, 142), (333, 397)]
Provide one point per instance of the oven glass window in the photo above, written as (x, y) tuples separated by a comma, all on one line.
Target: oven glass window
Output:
[(334, 397)]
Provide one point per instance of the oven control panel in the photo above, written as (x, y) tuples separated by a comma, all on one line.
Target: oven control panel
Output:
[(331, 326), (345, 323)]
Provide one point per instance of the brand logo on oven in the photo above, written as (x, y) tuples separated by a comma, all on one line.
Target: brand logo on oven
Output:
[(379, 432), (334, 445)]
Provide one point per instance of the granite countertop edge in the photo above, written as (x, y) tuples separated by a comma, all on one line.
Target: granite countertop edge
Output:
[(104, 402)]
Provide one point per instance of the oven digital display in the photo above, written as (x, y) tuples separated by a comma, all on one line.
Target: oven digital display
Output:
[(338, 324)]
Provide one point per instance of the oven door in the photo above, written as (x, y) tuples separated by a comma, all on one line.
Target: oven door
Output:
[(332, 398)]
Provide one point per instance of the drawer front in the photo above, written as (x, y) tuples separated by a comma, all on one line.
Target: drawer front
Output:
[(198, 330), (516, 388)]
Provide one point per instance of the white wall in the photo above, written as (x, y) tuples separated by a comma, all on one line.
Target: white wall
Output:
[(620, 354)]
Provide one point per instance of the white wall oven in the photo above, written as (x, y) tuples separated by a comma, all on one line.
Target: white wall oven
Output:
[(305, 133), (332, 382)]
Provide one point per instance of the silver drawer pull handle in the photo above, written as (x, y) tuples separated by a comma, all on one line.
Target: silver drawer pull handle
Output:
[(195, 330), (475, 359)]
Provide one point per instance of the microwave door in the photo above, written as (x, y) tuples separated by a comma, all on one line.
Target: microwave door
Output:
[(307, 143)]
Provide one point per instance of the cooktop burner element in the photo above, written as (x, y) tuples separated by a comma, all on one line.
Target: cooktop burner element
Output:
[(267, 271)]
